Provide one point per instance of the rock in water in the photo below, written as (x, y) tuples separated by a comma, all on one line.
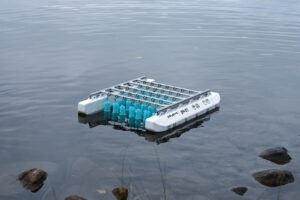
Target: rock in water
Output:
[(274, 177), (74, 197), (121, 193), (278, 155), (33, 179), (240, 190)]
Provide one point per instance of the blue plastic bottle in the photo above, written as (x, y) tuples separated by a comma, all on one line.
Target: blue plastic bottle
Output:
[(151, 109), (120, 101), (154, 110), (128, 104), (107, 107), (146, 114), (122, 114), (131, 117), (138, 118), (136, 105), (115, 112), (144, 107)]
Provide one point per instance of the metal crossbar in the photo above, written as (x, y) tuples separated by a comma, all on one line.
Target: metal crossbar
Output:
[(97, 93), (144, 97), (133, 99), (185, 101), (168, 87), (149, 92), (161, 90)]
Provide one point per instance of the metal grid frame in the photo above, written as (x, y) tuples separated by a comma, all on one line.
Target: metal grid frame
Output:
[(151, 93)]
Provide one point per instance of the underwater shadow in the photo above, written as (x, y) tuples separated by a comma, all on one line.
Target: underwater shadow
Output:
[(98, 119)]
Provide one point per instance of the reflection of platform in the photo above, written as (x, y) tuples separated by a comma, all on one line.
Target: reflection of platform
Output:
[(93, 120), (98, 119)]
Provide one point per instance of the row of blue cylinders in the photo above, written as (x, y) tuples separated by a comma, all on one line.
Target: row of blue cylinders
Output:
[(134, 113)]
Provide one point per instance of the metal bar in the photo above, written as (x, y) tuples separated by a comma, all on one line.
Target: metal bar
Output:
[(169, 92), (142, 96), (175, 105), (133, 99), (159, 85), (100, 91), (154, 93)]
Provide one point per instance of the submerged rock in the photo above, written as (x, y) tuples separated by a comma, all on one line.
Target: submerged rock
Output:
[(278, 155), (33, 179), (121, 193), (74, 197), (240, 190), (274, 177)]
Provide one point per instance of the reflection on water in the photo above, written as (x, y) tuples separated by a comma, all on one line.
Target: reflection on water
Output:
[(97, 119)]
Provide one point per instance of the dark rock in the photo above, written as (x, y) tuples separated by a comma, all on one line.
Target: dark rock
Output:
[(274, 177), (121, 193), (240, 190), (33, 179), (278, 155), (74, 197)]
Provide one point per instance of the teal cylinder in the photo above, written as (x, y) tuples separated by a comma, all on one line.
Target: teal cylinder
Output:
[(116, 108), (120, 101), (122, 114), (131, 116), (107, 106), (128, 104), (115, 112), (138, 118), (144, 107), (136, 105), (146, 114), (154, 110), (151, 109)]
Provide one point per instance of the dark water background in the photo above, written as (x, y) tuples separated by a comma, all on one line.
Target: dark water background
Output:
[(54, 53)]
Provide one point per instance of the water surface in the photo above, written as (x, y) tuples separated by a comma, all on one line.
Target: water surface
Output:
[(54, 53)]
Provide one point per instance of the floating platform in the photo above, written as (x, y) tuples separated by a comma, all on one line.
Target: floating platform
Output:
[(143, 103)]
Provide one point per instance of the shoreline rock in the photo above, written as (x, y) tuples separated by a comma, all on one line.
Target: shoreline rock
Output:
[(121, 193), (274, 177), (239, 190), (278, 155), (33, 179)]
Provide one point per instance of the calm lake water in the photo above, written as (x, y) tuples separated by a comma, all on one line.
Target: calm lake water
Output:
[(53, 53)]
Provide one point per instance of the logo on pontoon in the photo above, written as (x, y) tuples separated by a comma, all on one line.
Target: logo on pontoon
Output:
[(173, 114), (184, 110)]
